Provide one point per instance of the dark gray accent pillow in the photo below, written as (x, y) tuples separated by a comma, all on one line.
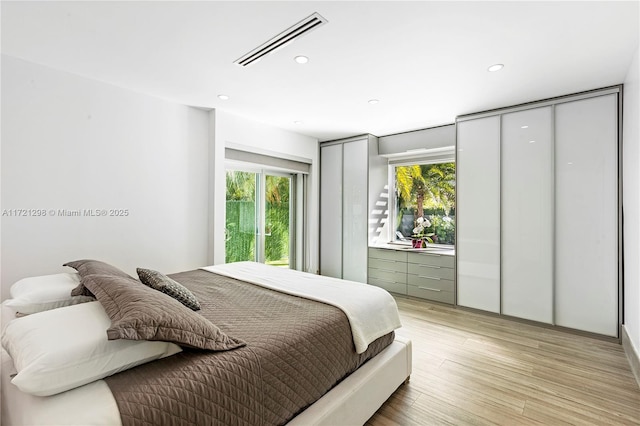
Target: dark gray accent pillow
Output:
[(139, 312), (160, 282), (92, 267)]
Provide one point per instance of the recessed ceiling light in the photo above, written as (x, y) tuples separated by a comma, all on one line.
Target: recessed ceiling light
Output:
[(524, 127), (301, 59), (223, 97), (495, 67), (532, 141), (298, 122), (373, 101)]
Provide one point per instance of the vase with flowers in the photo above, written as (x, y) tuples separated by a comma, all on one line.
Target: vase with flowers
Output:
[(420, 236)]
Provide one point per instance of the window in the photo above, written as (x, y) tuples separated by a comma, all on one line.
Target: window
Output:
[(424, 193)]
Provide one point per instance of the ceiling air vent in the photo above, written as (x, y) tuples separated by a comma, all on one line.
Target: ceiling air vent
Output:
[(282, 39)]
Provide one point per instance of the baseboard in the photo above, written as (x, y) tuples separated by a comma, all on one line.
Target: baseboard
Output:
[(632, 354)]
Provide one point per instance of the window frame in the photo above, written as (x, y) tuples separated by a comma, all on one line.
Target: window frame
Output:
[(297, 209), (437, 157)]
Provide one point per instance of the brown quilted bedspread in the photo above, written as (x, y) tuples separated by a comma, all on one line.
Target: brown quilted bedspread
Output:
[(297, 349)]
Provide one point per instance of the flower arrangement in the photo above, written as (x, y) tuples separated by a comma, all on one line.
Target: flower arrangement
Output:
[(420, 234)]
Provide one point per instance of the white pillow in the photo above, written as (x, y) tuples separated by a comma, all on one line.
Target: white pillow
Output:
[(60, 349), (36, 294)]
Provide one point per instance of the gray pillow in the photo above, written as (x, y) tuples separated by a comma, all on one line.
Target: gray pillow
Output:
[(160, 282), (138, 312), (92, 267)]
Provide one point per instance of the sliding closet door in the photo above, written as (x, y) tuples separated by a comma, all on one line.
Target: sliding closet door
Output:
[(587, 215), (478, 213), (354, 208), (331, 211), (527, 214)]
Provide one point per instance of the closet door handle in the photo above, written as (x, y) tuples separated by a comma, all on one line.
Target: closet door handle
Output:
[(429, 288), (430, 266)]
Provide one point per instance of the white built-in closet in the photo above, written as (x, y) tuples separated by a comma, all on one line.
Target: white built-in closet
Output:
[(352, 177), (538, 211)]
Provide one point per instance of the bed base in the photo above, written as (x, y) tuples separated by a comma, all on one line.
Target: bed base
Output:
[(358, 397)]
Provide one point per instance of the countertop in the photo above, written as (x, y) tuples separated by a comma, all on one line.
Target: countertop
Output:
[(445, 251)]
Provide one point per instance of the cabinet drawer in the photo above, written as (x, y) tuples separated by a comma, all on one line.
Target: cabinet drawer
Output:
[(437, 296), (396, 255), (388, 265), (393, 287), (433, 283), (432, 259), (393, 276), (430, 271)]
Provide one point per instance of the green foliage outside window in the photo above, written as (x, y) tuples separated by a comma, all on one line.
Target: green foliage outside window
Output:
[(240, 228), (427, 190), (277, 218)]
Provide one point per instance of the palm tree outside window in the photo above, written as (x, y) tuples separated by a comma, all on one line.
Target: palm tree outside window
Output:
[(425, 193)]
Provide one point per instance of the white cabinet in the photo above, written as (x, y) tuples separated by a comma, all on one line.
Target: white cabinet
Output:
[(538, 212), (331, 211), (354, 210), (587, 215), (527, 214), (478, 213), (351, 174), (434, 138)]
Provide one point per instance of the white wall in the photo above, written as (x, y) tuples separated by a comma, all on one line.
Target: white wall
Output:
[(74, 143), (631, 200), (232, 129)]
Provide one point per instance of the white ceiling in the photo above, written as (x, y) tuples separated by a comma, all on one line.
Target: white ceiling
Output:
[(426, 61)]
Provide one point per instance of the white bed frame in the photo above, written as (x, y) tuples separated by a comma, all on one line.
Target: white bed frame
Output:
[(360, 395)]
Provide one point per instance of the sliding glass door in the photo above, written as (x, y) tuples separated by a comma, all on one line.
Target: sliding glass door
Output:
[(259, 217), (241, 208), (277, 217)]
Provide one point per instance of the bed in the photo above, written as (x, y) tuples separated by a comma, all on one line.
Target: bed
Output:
[(300, 349)]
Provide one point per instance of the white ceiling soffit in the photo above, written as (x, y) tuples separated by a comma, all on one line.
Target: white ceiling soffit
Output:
[(281, 40)]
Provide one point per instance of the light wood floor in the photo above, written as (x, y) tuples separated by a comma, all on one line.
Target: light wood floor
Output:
[(475, 369)]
